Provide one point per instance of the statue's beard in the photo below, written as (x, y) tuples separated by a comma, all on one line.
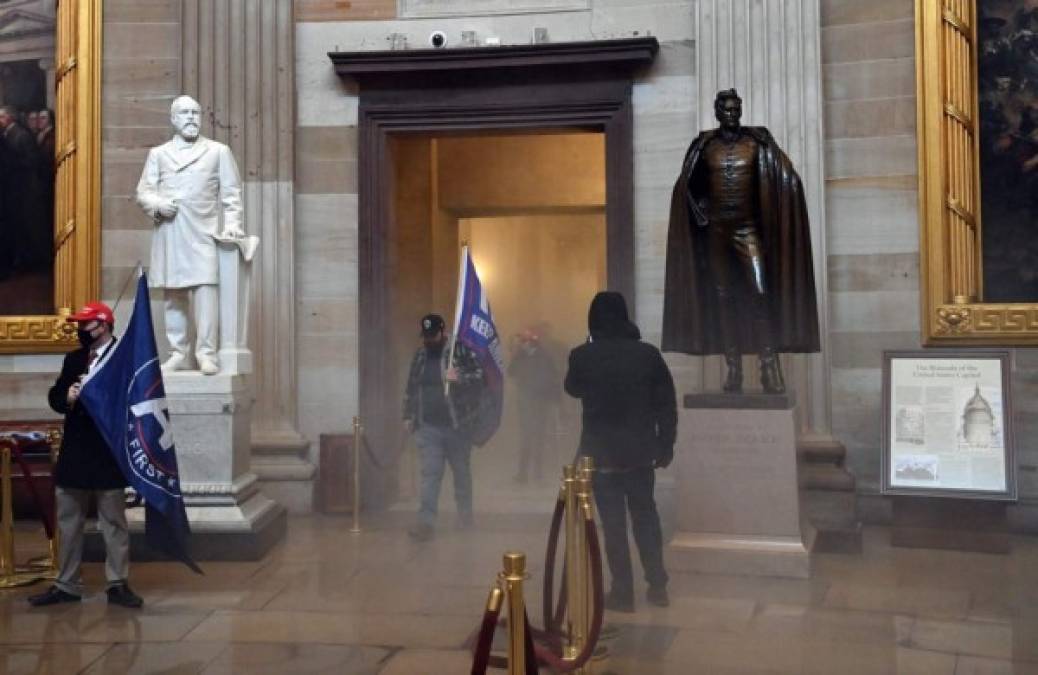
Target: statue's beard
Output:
[(189, 131)]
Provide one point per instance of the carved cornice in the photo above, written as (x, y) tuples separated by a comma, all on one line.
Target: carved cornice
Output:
[(987, 323), (36, 333), (612, 54)]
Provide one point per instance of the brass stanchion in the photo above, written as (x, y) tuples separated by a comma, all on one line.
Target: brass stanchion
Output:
[(358, 430), (573, 566), (583, 597), (513, 575), (6, 516), (9, 576)]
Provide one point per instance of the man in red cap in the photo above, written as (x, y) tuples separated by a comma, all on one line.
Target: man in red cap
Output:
[(86, 468)]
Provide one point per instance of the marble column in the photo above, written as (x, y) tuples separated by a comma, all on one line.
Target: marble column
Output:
[(769, 50), (237, 61)]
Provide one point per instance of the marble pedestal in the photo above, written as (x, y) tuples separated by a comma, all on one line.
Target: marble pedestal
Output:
[(230, 518), (738, 507)]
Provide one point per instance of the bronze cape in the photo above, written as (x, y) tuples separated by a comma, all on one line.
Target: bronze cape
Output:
[(691, 321)]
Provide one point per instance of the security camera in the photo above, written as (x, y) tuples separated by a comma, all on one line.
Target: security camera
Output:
[(438, 39)]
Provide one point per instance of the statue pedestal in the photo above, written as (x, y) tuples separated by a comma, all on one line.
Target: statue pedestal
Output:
[(230, 518), (738, 508)]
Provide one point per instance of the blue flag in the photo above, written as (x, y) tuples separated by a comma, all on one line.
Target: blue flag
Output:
[(126, 398), (474, 328)]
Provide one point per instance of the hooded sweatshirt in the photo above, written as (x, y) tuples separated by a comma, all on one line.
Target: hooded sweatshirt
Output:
[(626, 391)]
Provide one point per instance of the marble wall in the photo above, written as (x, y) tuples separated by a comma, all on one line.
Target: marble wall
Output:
[(871, 201), (868, 68)]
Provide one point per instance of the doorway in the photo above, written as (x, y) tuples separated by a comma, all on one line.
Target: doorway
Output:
[(531, 206)]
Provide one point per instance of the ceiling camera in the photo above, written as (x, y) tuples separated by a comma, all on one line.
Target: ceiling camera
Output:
[(438, 39)]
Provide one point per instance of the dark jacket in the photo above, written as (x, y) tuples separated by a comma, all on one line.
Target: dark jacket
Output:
[(536, 378), (464, 399), (626, 391), (85, 461)]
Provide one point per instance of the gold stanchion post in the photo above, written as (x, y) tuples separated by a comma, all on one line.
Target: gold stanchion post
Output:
[(54, 438), (9, 575), (575, 642), (357, 431), (6, 516), (582, 615), (513, 575)]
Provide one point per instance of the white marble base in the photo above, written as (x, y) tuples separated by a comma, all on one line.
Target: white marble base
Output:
[(738, 507), (211, 417)]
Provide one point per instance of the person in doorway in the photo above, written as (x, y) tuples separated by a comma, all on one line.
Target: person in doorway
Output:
[(86, 469), (537, 380), (629, 427), (441, 403)]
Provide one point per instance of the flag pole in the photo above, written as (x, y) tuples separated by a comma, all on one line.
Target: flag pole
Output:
[(462, 278)]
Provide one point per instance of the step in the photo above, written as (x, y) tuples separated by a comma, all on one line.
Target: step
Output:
[(821, 452), (825, 477)]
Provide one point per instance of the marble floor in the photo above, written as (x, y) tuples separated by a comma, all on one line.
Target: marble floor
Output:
[(326, 601)]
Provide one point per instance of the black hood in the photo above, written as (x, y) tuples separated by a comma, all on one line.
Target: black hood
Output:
[(608, 318)]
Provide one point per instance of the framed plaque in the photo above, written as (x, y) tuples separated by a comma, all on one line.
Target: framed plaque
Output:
[(947, 424)]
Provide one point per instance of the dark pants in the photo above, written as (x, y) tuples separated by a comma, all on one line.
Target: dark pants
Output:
[(738, 247), (616, 493), (533, 436)]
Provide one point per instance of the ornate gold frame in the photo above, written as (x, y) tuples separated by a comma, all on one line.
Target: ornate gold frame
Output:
[(77, 215), (949, 187)]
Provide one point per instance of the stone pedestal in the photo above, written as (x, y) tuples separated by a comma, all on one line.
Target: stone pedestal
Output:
[(230, 518), (952, 524), (738, 508)]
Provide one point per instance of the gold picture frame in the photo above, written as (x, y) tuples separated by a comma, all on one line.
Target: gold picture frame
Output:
[(77, 199), (953, 310)]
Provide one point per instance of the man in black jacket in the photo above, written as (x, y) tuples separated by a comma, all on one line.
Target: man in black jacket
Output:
[(441, 404), (86, 468), (629, 427)]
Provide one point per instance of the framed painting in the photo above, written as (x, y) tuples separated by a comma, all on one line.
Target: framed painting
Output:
[(50, 149), (947, 424), (977, 86)]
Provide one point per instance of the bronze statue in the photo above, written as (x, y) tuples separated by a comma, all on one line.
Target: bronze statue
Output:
[(739, 275)]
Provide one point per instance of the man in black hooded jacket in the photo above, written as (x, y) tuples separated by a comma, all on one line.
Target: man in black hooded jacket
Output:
[(629, 426)]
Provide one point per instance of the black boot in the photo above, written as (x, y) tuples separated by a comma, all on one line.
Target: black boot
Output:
[(771, 373), (733, 366)]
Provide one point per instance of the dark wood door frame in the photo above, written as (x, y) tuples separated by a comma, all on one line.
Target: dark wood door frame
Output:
[(585, 85)]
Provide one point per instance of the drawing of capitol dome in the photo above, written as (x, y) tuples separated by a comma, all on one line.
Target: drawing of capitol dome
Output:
[(977, 420)]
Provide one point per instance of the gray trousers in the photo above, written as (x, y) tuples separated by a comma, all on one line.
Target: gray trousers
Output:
[(111, 518)]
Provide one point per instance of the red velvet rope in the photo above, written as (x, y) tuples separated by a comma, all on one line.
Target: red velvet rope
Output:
[(553, 621), (46, 515), (549, 657), (481, 652), (546, 645)]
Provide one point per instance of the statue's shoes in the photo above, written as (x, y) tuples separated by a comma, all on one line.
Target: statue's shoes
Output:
[(208, 366), (176, 362)]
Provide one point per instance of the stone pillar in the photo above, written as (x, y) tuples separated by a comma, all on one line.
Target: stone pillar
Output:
[(770, 51), (237, 61)]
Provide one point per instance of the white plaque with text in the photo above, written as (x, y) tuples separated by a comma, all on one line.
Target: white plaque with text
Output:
[(947, 424)]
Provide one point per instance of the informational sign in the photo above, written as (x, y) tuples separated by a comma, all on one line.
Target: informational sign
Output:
[(947, 424)]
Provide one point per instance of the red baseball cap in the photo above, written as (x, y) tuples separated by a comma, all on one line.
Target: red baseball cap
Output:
[(94, 310)]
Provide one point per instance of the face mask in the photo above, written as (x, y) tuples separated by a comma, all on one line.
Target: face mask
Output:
[(85, 338)]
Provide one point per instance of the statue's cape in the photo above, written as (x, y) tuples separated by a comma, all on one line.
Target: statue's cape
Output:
[(690, 313)]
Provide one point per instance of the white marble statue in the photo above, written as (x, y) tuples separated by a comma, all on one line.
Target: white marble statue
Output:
[(191, 188)]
